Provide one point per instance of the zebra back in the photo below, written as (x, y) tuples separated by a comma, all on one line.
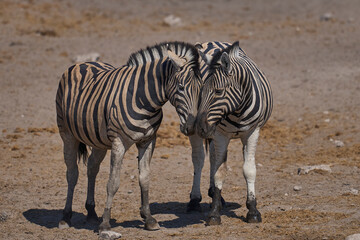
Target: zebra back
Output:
[(97, 102)]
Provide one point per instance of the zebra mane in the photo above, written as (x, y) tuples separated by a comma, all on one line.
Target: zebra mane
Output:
[(215, 60), (159, 51)]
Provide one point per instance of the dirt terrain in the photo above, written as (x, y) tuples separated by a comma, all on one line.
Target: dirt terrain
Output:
[(310, 52)]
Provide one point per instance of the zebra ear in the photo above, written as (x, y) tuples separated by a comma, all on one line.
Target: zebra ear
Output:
[(177, 61), (198, 45), (225, 62), (235, 50), (205, 57)]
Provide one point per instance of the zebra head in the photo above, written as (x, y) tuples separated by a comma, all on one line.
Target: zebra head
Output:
[(183, 87), (222, 91)]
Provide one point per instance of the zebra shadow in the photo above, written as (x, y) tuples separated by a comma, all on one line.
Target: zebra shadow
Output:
[(183, 218), (50, 219)]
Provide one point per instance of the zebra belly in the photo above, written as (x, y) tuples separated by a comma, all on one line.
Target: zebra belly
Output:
[(89, 129)]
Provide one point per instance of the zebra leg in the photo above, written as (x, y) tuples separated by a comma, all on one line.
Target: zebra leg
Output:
[(213, 168), (249, 170), (198, 163), (117, 153), (94, 161), (220, 144), (145, 153), (72, 173)]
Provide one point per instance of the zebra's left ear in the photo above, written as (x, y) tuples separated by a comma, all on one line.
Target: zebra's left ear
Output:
[(177, 61), (235, 50), (225, 62)]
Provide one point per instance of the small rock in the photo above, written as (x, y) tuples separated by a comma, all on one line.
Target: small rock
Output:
[(339, 143), (307, 169), (130, 191), (326, 16), (3, 216), (90, 57), (109, 235), (259, 165), (297, 188), (353, 237), (172, 21), (327, 120), (132, 177), (354, 191), (326, 112)]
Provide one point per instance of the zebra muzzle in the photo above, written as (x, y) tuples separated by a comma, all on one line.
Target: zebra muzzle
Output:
[(189, 127), (203, 128)]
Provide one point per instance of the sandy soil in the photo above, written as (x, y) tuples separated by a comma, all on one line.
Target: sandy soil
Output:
[(311, 54)]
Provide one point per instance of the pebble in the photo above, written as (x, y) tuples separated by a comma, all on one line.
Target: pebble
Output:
[(326, 16), (339, 143), (353, 237), (109, 235), (90, 57), (172, 21), (354, 191), (307, 169), (3, 216), (297, 188)]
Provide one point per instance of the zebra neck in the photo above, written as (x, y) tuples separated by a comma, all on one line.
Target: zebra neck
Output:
[(247, 98), (150, 87)]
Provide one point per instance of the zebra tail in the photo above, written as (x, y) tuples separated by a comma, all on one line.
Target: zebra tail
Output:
[(207, 142), (83, 153)]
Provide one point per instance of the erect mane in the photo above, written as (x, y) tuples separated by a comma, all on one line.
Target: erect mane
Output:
[(159, 51), (214, 61)]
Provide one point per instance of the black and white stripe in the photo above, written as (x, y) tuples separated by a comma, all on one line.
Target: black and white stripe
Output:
[(236, 101), (105, 107)]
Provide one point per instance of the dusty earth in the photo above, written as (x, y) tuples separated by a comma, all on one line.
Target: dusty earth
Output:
[(311, 54)]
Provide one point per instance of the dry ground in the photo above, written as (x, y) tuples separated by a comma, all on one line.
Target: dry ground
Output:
[(314, 68)]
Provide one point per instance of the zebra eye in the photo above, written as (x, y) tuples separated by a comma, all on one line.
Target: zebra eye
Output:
[(219, 91), (180, 87)]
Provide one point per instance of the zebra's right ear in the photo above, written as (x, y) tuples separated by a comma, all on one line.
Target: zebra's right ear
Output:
[(225, 62), (205, 57), (198, 45), (177, 61)]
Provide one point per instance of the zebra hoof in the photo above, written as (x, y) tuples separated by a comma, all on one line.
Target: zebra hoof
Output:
[(194, 206), (213, 220), (151, 224), (63, 224), (104, 226), (253, 217)]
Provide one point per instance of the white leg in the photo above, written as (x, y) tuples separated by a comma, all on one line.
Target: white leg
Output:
[(94, 161), (145, 154), (117, 153), (198, 157), (249, 171)]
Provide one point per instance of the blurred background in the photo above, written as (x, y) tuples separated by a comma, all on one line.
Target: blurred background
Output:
[(309, 51)]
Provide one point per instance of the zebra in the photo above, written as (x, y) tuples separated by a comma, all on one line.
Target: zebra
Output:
[(236, 101), (206, 50), (104, 107)]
